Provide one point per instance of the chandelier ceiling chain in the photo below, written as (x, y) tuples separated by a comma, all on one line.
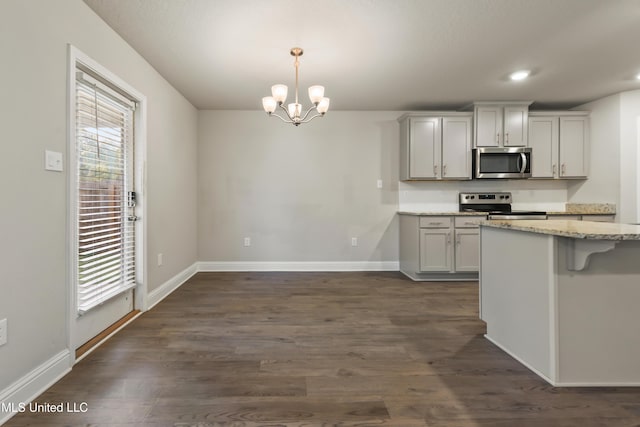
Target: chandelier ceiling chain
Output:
[(293, 111)]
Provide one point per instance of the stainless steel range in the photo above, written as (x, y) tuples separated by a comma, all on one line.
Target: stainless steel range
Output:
[(496, 205)]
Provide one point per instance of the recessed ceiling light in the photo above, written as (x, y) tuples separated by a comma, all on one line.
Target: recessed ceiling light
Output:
[(519, 75), (638, 76)]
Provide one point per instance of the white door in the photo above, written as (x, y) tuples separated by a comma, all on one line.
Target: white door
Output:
[(104, 208)]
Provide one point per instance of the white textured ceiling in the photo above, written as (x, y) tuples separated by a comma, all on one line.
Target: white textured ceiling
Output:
[(386, 54)]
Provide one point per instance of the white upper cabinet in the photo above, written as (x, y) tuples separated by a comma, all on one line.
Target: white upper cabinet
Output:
[(559, 143), (424, 147), (435, 146), (501, 124), (543, 140), (456, 147), (488, 126), (574, 140)]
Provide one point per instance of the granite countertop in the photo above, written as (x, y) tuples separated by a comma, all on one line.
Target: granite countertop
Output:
[(590, 208), (575, 229), (570, 209)]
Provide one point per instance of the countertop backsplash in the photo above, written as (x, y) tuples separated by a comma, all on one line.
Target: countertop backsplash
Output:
[(442, 197)]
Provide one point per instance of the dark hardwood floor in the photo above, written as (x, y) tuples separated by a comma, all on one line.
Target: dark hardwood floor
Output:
[(318, 349)]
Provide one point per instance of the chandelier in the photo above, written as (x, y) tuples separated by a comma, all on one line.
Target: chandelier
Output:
[(293, 111)]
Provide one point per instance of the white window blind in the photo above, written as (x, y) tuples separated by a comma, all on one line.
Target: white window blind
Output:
[(104, 158)]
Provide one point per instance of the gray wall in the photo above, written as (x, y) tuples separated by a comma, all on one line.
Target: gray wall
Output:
[(33, 117), (603, 184), (300, 193), (615, 157)]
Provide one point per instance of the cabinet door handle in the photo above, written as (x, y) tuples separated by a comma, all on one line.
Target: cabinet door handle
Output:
[(553, 170), (498, 138), (448, 238), (435, 223), (563, 169), (444, 170), (506, 138), (435, 170)]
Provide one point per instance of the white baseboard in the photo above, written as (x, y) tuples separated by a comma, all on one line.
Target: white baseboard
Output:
[(161, 292), (298, 266), (33, 384), (563, 383)]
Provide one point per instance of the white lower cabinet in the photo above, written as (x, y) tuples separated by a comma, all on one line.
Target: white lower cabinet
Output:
[(447, 247), (435, 250), (439, 247), (467, 253)]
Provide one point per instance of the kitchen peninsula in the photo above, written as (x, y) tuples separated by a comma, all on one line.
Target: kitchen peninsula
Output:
[(562, 298)]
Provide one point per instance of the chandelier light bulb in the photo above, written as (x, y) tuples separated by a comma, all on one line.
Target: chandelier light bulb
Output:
[(323, 105), (269, 104), (316, 93), (293, 112), (279, 93)]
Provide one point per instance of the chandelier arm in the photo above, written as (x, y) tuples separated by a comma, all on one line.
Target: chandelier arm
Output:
[(280, 117), (307, 113), (311, 118), (286, 112)]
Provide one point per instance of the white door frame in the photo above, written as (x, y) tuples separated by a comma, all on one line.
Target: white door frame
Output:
[(75, 56)]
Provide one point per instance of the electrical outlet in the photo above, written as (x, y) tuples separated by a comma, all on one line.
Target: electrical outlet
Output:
[(159, 260), (354, 241), (3, 331), (247, 241), (379, 183)]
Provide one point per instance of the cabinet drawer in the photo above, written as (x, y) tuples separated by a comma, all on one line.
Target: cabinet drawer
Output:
[(468, 221), (435, 222), (599, 218), (565, 217)]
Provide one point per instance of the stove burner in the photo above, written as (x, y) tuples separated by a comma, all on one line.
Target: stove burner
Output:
[(496, 205)]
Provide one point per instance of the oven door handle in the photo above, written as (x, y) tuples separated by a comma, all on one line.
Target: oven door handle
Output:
[(523, 168)]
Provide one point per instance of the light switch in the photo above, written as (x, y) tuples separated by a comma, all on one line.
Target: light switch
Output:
[(53, 161)]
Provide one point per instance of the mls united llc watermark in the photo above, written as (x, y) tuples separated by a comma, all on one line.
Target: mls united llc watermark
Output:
[(44, 407)]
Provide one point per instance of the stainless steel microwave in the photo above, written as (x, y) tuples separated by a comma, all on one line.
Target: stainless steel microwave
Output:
[(508, 162)]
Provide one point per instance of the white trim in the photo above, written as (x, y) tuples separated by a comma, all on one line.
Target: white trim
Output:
[(102, 341), (561, 383), (299, 266), (170, 285), (35, 383), (527, 365)]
